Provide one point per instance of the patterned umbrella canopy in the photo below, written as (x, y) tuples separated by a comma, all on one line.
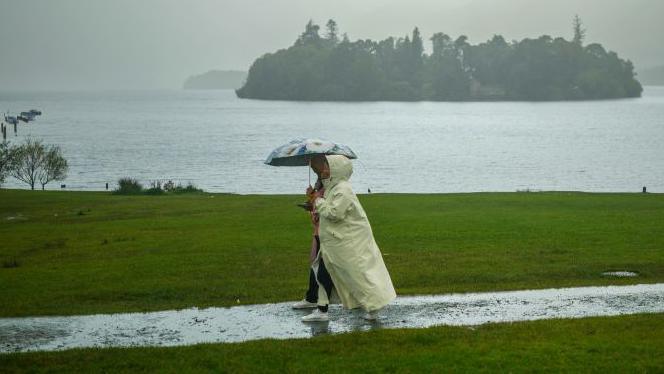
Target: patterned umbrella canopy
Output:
[(298, 152)]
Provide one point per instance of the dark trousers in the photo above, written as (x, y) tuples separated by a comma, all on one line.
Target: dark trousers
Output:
[(323, 278)]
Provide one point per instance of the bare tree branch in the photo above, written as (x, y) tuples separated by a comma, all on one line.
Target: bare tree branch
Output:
[(55, 166), (34, 162), (6, 160)]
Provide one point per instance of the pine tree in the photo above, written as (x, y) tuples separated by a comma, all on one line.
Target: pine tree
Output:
[(579, 31), (332, 34)]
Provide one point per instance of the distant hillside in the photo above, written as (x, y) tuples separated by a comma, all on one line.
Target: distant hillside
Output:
[(652, 76), (216, 79)]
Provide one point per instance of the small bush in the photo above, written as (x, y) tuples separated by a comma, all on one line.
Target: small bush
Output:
[(189, 188), (129, 186), (153, 191)]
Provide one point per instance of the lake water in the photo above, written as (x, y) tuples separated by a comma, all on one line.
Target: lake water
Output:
[(219, 142)]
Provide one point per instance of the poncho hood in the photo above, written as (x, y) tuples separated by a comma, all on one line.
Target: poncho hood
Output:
[(340, 170)]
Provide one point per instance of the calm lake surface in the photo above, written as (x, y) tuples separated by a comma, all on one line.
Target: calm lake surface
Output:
[(219, 142)]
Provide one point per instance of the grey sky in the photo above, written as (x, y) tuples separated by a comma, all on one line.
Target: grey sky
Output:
[(113, 44)]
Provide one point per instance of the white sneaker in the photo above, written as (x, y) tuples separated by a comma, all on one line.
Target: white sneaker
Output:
[(371, 316), (304, 304), (316, 316)]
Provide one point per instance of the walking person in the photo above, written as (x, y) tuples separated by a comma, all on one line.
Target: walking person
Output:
[(348, 250), (317, 272)]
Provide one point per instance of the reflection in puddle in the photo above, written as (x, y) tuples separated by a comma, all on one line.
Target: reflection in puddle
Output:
[(279, 321)]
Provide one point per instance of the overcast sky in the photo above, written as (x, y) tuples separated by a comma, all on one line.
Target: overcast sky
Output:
[(151, 44)]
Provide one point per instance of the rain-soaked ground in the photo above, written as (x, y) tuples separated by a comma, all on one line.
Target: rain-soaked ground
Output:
[(279, 321)]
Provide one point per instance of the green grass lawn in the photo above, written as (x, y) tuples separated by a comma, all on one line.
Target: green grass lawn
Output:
[(91, 252), (80, 252)]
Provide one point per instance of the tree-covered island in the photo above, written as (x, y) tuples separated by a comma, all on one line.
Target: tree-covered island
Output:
[(333, 68)]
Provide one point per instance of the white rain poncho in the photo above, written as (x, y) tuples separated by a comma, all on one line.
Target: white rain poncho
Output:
[(347, 244)]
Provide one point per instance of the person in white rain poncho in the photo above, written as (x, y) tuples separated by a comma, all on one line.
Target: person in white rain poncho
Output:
[(347, 245)]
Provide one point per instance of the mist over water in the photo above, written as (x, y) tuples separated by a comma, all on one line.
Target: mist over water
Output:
[(154, 44), (219, 142)]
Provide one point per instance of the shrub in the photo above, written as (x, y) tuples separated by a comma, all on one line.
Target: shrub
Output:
[(6, 158), (128, 186), (153, 191), (189, 188), (155, 188)]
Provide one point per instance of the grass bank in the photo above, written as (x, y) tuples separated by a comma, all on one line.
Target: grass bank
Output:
[(91, 252)]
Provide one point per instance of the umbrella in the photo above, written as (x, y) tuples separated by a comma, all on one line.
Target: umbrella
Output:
[(299, 152)]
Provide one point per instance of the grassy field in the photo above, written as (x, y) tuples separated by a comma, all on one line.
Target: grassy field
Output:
[(603, 345), (78, 253), (87, 252)]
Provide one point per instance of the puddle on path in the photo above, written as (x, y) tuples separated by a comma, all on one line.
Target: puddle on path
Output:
[(279, 321), (620, 274)]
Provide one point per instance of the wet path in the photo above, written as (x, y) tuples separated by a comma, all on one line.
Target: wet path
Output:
[(279, 321)]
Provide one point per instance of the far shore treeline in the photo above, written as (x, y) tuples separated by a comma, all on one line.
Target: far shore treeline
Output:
[(330, 67)]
